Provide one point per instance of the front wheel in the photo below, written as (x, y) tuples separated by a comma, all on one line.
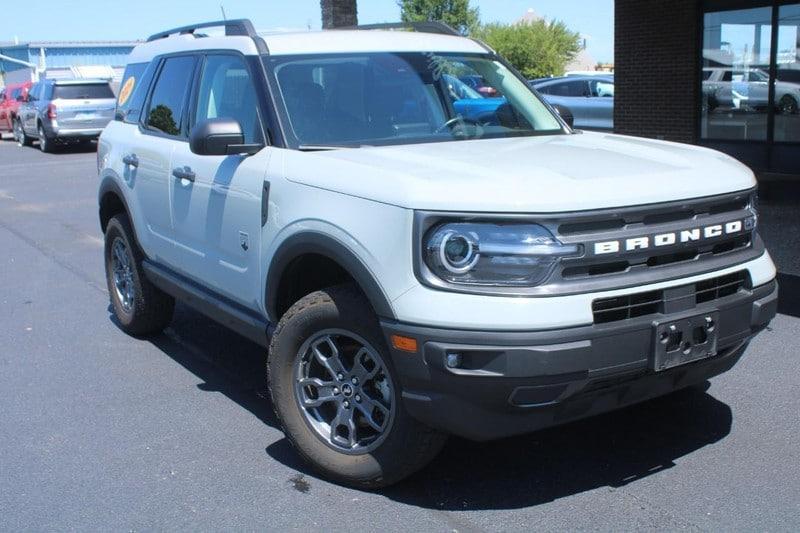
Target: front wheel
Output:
[(335, 391)]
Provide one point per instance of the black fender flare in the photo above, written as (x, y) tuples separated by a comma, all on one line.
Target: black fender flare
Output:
[(110, 184), (311, 242)]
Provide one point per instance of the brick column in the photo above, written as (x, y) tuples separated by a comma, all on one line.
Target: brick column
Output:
[(657, 68)]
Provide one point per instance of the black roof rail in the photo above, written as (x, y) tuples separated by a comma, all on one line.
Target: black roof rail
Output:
[(242, 27), (235, 27), (422, 27)]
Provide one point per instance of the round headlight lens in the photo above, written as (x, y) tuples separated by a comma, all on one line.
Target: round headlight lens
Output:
[(457, 253)]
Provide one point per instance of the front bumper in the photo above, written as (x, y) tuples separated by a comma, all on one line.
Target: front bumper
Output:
[(516, 382)]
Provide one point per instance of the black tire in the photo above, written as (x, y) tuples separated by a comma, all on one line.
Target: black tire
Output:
[(406, 446), (19, 134), (788, 105), (46, 144), (149, 310)]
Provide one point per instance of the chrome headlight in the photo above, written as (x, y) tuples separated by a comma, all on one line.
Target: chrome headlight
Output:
[(493, 254)]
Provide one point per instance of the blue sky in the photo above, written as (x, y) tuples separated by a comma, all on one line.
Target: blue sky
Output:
[(136, 19)]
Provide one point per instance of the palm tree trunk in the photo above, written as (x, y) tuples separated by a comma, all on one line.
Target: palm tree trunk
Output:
[(339, 13)]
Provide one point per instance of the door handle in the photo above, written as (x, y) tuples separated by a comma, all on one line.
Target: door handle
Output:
[(131, 160), (184, 173)]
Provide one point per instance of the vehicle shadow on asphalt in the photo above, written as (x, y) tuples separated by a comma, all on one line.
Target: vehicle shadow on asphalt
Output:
[(226, 362), (610, 450)]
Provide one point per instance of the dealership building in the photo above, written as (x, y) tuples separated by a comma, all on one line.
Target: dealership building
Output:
[(718, 73), (101, 59)]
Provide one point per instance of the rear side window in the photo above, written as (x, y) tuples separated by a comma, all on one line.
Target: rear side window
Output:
[(132, 83), (87, 91), (166, 110), (570, 88)]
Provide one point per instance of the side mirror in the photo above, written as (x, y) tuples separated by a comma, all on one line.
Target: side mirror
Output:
[(565, 114), (220, 136)]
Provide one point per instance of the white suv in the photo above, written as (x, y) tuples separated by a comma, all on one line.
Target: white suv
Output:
[(417, 266)]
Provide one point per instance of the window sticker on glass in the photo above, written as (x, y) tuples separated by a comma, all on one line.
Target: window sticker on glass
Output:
[(126, 90)]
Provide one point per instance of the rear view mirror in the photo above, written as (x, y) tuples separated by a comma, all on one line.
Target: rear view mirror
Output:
[(220, 136)]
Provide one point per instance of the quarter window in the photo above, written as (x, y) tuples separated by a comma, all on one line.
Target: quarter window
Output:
[(227, 91), (165, 113)]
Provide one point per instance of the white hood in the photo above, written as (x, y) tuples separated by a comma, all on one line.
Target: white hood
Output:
[(532, 174)]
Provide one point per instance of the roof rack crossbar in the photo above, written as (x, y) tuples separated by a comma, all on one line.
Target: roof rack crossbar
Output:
[(241, 27), (422, 27)]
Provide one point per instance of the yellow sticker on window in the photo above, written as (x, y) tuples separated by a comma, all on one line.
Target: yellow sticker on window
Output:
[(127, 89)]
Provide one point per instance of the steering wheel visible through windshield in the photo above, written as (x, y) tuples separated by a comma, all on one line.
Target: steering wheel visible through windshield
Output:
[(338, 100)]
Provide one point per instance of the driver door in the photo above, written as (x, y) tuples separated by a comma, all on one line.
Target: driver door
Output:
[(216, 206)]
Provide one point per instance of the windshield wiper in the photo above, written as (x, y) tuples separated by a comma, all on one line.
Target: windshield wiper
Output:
[(324, 147)]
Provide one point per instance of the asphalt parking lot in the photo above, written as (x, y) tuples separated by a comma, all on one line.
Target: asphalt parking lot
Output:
[(99, 431)]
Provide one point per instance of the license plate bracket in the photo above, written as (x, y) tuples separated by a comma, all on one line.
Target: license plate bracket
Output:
[(684, 340)]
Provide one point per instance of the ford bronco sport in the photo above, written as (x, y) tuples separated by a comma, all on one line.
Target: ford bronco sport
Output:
[(411, 272)]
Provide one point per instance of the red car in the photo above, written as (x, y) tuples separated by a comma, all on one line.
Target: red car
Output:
[(10, 98)]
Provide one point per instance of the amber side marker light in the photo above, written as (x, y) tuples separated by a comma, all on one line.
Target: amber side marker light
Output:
[(405, 344)]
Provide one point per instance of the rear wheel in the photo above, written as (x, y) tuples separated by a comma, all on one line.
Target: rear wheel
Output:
[(19, 134), (336, 394), (788, 105), (139, 306), (45, 143)]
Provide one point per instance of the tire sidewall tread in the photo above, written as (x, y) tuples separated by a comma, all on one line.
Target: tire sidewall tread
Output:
[(409, 445)]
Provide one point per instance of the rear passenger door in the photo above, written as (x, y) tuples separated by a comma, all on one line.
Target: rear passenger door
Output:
[(162, 127), (217, 213)]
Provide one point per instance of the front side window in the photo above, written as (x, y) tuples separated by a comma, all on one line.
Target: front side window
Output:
[(227, 91), (165, 112), (403, 98), (602, 88)]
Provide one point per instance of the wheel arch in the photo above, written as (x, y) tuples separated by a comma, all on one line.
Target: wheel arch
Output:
[(111, 201), (329, 252)]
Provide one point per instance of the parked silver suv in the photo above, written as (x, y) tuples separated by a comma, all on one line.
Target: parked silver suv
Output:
[(61, 111)]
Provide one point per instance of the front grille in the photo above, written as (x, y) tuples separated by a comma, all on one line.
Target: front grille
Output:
[(673, 299), (653, 220)]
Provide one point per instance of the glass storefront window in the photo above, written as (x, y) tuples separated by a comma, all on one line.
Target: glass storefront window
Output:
[(736, 59), (787, 79)]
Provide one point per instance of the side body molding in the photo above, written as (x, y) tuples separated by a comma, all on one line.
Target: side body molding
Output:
[(311, 242)]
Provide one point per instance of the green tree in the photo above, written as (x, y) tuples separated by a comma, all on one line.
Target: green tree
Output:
[(537, 48), (338, 13), (456, 13)]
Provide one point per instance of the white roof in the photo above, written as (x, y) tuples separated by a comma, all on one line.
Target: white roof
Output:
[(313, 42), (344, 41)]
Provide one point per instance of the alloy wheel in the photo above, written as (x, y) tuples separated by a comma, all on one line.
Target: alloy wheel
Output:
[(344, 392), (42, 140), (122, 273), (788, 105)]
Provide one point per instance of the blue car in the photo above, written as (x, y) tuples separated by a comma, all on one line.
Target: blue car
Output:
[(470, 104)]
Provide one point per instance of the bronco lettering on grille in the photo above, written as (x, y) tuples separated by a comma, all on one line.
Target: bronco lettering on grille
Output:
[(674, 238)]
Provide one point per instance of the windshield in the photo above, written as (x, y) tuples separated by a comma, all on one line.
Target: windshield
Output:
[(402, 98)]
